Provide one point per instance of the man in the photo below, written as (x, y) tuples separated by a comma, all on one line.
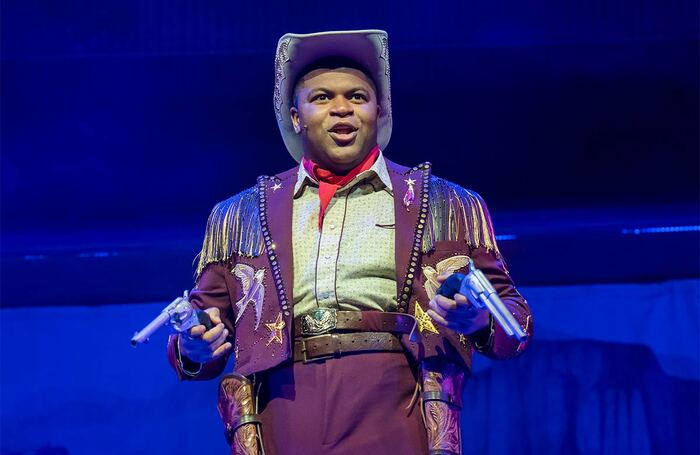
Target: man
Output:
[(321, 281)]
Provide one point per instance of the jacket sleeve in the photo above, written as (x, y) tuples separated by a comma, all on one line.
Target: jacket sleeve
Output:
[(460, 224), (493, 341), (212, 291)]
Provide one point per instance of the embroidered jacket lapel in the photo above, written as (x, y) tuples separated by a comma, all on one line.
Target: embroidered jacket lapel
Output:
[(276, 222), (410, 222)]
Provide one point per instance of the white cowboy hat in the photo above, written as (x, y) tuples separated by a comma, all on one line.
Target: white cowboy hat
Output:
[(369, 48)]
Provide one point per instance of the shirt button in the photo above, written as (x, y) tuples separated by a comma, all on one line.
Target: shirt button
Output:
[(327, 257), (332, 226)]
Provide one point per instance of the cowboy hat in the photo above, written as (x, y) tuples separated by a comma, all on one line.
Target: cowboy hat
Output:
[(295, 53)]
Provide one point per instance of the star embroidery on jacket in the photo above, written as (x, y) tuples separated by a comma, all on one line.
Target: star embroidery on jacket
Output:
[(275, 329), (425, 322), (463, 340), (276, 186)]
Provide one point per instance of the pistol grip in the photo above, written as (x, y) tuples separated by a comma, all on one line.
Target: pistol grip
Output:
[(204, 319), (451, 285)]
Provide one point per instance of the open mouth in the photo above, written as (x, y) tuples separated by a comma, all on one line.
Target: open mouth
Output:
[(343, 133)]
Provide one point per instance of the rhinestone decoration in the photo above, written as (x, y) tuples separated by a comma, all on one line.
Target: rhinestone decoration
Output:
[(281, 58), (274, 264), (387, 69)]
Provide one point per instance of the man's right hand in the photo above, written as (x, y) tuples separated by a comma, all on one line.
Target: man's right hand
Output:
[(202, 345)]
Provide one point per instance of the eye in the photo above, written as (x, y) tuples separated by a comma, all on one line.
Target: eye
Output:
[(320, 97), (359, 97)]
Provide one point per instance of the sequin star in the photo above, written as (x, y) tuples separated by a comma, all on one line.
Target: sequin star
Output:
[(276, 186), (463, 339), (275, 328), (425, 323), (410, 182)]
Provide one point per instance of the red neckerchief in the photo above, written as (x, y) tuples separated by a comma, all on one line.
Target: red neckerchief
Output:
[(329, 183)]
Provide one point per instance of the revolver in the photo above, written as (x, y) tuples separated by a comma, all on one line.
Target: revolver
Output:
[(481, 293), (180, 315)]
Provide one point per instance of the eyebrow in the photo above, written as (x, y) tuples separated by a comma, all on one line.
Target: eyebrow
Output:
[(327, 90)]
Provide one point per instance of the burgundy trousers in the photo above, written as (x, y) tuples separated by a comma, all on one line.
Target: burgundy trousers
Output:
[(355, 404)]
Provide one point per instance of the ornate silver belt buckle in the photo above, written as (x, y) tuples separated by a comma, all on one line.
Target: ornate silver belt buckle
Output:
[(319, 321)]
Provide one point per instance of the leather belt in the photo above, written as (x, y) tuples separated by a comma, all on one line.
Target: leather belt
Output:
[(325, 320), (332, 345)]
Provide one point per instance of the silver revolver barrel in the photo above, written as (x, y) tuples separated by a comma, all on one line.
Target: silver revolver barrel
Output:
[(482, 294), (179, 314)]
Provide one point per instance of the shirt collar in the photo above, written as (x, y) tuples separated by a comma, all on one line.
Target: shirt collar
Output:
[(378, 169)]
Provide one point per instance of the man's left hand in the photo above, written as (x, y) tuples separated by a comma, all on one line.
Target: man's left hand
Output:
[(458, 314)]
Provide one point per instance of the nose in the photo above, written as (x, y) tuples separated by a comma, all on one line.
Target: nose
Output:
[(342, 107)]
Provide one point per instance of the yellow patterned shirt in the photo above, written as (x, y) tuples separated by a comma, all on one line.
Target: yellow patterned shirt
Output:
[(350, 264)]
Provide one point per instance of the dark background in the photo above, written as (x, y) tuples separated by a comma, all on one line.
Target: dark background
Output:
[(125, 113), (124, 122)]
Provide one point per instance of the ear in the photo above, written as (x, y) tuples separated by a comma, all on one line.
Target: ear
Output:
[(379, 110), (296, 122)]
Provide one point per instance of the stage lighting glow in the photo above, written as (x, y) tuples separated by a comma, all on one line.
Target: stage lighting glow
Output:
[(661, 230)]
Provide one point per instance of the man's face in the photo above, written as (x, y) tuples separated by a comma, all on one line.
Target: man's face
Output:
[(336, 115)]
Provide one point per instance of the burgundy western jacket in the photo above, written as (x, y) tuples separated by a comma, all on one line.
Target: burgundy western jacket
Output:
[(254, 227)]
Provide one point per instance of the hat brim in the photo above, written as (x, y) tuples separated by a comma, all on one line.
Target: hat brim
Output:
[(295, 52)]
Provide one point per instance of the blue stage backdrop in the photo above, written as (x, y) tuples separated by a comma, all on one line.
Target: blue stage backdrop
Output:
[(613, 369), (123, 122)]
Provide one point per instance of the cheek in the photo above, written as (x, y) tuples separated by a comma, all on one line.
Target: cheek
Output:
[(369, 113), (313, 117)]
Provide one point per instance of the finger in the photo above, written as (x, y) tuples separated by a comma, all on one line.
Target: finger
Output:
[(453, 324), (462, 300), (190, 348), (437, 308), (464, 305), (196, 331), (445, 303), (443, 276), (214, 315), (221, 350), (454, 316), (202, 349), (213, 334), (457, 326), (221, 339), (437, 318)]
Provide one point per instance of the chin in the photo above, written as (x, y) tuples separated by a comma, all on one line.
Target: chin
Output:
[(345, 154), (339, 157)]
